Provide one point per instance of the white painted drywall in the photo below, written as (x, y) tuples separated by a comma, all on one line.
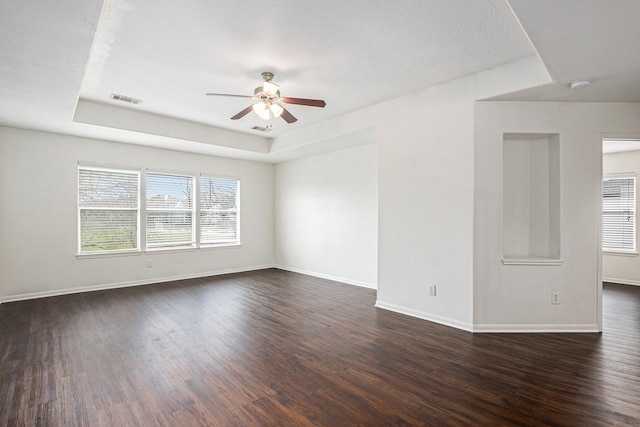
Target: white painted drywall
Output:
[(38, 225), (426, 204), (518, 297), (622, 268), (425, 184), (517, 198), (326, 221), (539, 208)]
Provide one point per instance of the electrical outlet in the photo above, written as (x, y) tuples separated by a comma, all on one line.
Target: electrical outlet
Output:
[(555, 298), (149, 263), (432, 290)]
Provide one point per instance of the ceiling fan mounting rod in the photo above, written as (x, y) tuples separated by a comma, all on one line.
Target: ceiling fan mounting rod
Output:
[(267, 76)]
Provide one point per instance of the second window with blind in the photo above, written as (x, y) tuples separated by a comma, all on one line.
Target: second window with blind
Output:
[(619, 214), (190, 210)]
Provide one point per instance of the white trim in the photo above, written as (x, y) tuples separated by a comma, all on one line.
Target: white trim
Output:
[(619, 175), (220, 176), (327, 276), (219, 246), (619, 253), (151, 281), (150, 251), (536, 328), (168, 249), (111, 167), (531, 261), (425, 316), (172, 172), (621, 281), (107, 254)]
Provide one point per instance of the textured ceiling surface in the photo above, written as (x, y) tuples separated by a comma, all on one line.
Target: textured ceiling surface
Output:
[(586, 39), (56, 57), (352, 54)]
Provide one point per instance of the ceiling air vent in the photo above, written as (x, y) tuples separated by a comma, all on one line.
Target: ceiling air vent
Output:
[(125, 98), (266, 128)]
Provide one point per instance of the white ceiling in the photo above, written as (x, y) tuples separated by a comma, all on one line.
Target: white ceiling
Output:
[(584, 39), (610, 146), (61, 60)]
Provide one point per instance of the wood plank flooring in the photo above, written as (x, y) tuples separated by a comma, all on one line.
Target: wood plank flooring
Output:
[(274, 348)]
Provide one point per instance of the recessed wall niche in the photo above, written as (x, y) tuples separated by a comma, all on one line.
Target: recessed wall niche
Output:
[(531, 199)]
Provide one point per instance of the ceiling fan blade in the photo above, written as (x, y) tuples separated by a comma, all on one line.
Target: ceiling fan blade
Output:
[(226, 94), (303, 101), (287, 116), (243, 113)]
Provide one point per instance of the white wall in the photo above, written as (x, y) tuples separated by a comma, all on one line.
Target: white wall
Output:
[(518, 297), (622, 268), (517, 198), (38, 223), (426, 204), (425, 179), (327, 215)]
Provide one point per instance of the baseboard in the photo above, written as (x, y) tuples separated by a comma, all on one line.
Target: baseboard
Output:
[(488, 328), (425, 316), (57, 292), (621, 281), (536, 328), (327, 276)]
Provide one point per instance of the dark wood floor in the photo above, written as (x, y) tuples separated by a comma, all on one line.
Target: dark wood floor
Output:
[(278, 348)]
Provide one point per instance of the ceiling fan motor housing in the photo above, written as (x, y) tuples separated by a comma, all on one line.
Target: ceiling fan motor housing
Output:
[(262, 95)]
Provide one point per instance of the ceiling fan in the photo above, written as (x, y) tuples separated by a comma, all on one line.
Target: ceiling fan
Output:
[(269, 101)]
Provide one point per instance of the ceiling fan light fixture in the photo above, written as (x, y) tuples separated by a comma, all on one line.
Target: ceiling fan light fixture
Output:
[(264, 115), (259, 107), (261, 110), (276, 109)]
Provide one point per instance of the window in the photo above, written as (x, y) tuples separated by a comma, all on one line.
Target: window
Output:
[(218, 210), (180, 211), (170, 210), (619, 214), (108, 209)]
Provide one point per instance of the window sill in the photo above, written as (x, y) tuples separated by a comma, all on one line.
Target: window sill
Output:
[(531, 261), (89, 255), (221, 245), (620, 253), (171, 249)]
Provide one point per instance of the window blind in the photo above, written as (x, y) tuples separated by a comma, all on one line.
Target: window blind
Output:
[(170, 210), (108, 209), (218, 210), (618, 214)]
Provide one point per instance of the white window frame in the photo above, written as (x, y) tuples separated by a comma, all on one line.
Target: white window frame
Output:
[(236, 211), (623, 249), (193, 243), (79, 209)]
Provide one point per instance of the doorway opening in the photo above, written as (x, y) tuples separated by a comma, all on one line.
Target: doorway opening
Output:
[(620, 262)]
